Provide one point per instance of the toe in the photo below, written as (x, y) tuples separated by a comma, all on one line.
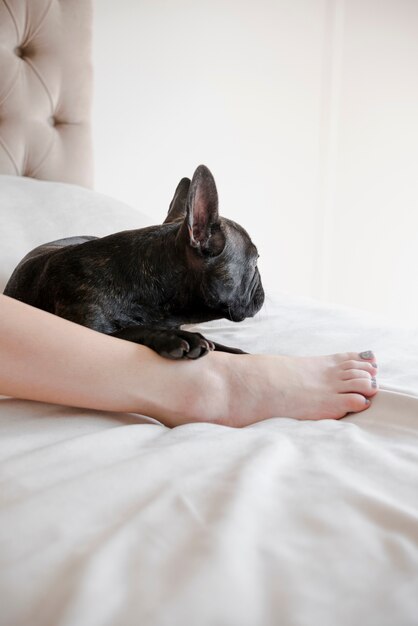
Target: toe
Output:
[(354, 402), (352, 364), (367, 356), (349, 374), (364, 386)]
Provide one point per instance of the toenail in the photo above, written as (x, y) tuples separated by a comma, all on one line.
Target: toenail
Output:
[(367, 401), (374, 365), (374, 383), (368, 354)]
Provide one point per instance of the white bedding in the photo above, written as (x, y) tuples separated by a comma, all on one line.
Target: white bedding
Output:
[(115, 520)]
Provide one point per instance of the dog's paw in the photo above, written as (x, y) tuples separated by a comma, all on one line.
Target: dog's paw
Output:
[(181, 344), (172, 344)]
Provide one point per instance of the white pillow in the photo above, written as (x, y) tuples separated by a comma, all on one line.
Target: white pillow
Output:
[(33, 212)]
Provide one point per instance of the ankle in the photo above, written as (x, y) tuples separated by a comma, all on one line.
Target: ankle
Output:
[(237, 392), (209, 390), (193, 391)]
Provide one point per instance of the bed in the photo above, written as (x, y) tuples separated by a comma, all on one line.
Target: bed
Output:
[(115, 520)]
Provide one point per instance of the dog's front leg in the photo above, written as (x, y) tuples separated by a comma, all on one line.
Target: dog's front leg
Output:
[(219, 347)]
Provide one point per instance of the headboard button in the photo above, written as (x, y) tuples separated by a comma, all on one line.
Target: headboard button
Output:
[(52, 120), (19, 51)]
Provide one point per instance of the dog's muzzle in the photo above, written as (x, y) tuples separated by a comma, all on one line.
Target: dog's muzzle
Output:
[(248, 306)]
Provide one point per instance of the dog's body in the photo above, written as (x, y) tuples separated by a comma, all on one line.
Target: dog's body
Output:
[(142, 285)]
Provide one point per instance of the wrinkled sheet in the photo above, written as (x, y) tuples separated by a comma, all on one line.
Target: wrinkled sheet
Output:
[(115, 520)]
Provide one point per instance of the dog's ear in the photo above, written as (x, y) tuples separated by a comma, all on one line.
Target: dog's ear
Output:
[(202, 218), (177, 206)]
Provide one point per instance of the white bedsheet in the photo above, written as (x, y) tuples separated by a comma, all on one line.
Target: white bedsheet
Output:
[(115, 520)]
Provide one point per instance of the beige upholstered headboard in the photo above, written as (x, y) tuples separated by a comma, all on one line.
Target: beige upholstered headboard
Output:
[(45, 89)]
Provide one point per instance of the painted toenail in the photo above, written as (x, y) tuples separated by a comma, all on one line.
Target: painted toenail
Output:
[(367, 401), (374, 383), (368, 354), (374, 365)]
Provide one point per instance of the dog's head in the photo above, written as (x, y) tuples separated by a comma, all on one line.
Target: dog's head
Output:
[(220, 254)]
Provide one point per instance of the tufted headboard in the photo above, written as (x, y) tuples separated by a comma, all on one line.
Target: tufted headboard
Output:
[(45, 89)]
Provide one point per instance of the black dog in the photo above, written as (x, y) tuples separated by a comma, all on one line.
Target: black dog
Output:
[(142, 285)]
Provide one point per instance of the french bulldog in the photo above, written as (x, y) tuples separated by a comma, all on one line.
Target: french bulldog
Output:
[(142, 285)]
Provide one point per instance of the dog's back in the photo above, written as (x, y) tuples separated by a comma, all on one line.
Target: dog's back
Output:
[(23, 284)]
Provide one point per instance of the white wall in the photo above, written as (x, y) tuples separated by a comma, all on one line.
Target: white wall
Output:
[(306, 111)]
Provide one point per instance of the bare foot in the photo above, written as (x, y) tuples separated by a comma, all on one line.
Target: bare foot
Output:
[(308, 388)]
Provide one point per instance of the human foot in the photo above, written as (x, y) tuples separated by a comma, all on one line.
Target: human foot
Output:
[(310, 388)]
